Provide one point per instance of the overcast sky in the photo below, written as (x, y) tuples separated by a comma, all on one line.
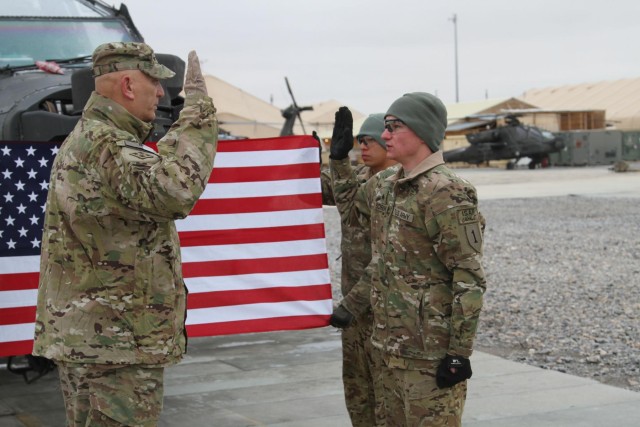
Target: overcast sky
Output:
[(367, 53)]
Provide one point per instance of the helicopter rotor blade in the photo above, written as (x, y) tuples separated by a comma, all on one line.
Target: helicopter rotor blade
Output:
[(295, 105)]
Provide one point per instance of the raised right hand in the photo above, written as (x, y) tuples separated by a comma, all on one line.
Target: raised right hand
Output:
[(342, 138), (194, 80)]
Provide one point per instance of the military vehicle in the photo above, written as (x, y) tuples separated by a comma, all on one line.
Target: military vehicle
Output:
[(45, 65), (511, 141), (45, 81)]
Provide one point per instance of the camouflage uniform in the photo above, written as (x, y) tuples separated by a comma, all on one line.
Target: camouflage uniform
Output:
[(359, 361), (427, 281), (122, 394), (111, 290)]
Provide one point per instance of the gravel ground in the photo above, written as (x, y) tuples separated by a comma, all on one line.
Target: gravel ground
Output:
[(563, 284)]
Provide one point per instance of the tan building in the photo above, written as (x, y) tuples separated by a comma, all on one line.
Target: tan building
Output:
[(619, 99), (245, 115)]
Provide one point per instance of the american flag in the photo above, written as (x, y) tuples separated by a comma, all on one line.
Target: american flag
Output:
[(253, 248)]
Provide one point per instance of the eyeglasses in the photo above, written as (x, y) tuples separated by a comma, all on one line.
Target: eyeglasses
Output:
[(394, 125), (366, 140)]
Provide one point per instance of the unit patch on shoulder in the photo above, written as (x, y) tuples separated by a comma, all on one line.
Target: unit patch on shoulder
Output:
[(467, 216), (474, 236), (136, 153)]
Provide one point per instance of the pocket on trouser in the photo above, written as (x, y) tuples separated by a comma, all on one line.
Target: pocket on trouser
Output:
[(128, 395), (421, 403)]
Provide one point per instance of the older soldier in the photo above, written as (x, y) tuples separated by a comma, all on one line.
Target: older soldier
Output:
[(358, 362), (427, 279), (111, 298)]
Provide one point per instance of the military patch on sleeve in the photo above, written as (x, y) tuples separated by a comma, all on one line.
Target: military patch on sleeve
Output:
[(135, 153), (467, 216), (474, 236)]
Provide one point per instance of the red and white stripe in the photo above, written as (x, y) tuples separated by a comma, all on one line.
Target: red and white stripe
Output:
[(253, 249)]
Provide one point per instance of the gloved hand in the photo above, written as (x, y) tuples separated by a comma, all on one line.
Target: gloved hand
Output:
[(446, 378), (314, 134), (194, 81), (341, 318), (342, 138)]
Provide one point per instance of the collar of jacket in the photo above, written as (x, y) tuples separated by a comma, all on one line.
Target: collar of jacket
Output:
[(427, 164), (106, 110)]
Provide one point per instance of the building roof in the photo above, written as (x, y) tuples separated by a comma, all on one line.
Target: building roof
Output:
[(243, 114), (620, 99), (461, 111)]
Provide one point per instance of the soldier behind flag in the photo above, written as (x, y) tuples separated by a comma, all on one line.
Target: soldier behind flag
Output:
[(426, 281), (111, 298), (359, 361)]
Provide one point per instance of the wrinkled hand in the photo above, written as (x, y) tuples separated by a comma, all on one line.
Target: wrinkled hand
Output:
[(342, 138), (452, 370), (341, 318), (194, 81)]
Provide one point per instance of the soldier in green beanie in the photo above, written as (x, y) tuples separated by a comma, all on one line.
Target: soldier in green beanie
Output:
[(425, 282)]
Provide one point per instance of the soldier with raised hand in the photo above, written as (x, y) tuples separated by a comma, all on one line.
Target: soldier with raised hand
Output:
[(360, 375), (111, 298), (425, 283)]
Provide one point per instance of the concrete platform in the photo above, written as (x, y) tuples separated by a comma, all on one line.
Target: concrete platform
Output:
[(293, 378)]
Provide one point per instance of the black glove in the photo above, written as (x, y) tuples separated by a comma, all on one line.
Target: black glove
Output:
[(314, 134), (341, 318), (445, 378), (342, 138)]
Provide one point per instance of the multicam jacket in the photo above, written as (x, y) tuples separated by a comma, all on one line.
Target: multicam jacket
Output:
[(355, 245), (111, 289), (427, 282)]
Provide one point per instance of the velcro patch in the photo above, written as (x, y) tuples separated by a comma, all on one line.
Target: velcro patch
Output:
[(136, 153), (405, 216), (474, 236), (379, 206), (467, 216)]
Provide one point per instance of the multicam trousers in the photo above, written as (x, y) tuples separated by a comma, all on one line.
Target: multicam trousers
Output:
[(412, 399), (361, 378), (111, 395)]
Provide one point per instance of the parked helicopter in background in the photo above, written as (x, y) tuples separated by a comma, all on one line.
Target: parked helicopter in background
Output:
[(512, 141), (291, 113)]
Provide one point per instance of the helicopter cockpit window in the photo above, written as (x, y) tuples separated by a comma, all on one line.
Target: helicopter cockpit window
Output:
[(547, 134), (39, 30)]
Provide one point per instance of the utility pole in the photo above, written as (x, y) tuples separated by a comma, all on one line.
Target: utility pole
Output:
[(455, 42)]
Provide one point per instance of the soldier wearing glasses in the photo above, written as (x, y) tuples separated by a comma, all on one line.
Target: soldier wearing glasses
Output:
[(359, 365), (425, 283)]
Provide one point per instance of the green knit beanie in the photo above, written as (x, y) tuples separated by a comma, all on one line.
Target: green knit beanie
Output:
[(373, 126), (424, 114)]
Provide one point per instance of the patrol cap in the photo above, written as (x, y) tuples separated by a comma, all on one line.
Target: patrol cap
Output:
[(373, 126), (119, 56)]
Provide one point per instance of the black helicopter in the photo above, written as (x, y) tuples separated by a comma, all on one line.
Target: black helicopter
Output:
[(291, 113), (511, 141)]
